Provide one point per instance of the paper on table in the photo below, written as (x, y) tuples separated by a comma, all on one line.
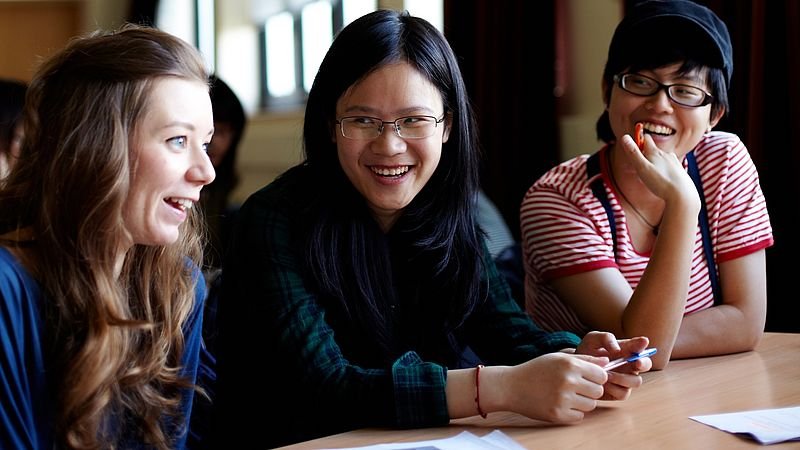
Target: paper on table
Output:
[(496, 440), (767, 426)]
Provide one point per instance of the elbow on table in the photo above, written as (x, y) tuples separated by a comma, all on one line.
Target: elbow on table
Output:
[(751, 340)]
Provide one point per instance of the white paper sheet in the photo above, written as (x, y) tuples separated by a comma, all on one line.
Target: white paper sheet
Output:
[(496, 440), (767, 426)]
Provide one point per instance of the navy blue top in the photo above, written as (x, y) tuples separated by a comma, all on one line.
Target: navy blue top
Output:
[(26, 409)]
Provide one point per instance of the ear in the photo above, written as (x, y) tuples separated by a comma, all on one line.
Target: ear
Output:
[(448, 124), (715, 120), (606, 90), (332, 128)]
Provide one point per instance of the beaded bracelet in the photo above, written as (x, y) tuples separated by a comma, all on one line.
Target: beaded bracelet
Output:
[(478, 389)]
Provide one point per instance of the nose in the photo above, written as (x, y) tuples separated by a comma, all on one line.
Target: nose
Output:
[(389, 141), (660, 101), (201, 171)]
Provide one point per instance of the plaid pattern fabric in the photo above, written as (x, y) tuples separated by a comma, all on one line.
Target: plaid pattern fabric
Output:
[(332, 377)]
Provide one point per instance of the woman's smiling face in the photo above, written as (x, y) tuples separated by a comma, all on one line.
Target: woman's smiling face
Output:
[(674, 128), (389, 171), (171, 165)]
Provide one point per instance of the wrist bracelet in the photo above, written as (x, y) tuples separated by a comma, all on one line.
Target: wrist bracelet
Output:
[(478, 390)]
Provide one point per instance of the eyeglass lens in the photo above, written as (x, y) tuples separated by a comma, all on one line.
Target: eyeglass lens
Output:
[(683, 94), (412, 127)]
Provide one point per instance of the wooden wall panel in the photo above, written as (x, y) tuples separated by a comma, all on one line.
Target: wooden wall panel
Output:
[(31, 31)]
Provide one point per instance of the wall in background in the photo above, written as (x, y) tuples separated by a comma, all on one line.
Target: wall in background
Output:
[(589, 27), (32, 30)]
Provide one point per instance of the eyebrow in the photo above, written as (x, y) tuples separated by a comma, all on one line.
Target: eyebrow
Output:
[(180, 124), (401, 112)]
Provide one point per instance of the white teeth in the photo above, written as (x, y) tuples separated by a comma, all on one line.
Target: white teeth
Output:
[(183, 203), (390, 171), (658, 129)]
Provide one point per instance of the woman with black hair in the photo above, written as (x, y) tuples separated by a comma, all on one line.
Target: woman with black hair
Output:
[(666, 237), (360, 281)]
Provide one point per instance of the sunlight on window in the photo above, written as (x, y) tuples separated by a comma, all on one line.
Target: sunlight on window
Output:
[(353, 9), (236, 65), (317, 37), (176, 17), (205, 27), (279, 38), (430, 10)]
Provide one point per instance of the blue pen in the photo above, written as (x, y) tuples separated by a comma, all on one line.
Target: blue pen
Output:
[(618, 362)]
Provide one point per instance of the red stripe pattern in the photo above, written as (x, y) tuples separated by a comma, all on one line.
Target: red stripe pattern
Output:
[(565, 229)]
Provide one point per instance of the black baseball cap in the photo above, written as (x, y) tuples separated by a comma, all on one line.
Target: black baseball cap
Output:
[(691, 25)]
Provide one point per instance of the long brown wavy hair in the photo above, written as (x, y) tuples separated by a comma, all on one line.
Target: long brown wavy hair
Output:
[(114, 339)]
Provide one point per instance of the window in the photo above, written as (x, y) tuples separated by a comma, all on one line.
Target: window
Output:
[(190, 20), (295, 40), (269, 51)]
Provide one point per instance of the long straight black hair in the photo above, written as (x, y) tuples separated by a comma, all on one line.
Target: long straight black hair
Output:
[(346, 252)]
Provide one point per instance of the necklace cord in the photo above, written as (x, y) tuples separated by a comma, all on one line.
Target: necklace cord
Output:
[(654, 228)]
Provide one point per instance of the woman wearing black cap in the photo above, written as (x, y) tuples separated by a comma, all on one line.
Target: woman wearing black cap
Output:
[(665, 241)]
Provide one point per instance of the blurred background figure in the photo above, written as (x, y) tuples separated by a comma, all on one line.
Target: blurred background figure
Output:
[(229, 124), (12, 99)]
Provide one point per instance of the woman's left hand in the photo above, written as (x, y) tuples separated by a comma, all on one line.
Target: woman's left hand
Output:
[(623, 379)]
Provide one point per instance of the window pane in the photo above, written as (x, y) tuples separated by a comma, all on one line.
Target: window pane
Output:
[(353, 9), (279, 38), (430, 10), (205, 30), (176, 17), (317, 21)]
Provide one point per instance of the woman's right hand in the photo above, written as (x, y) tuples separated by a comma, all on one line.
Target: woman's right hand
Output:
[(557, 387), (661, 171)]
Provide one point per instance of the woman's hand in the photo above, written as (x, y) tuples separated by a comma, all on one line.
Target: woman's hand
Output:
[(623, 380), (557, 387), (661, 171)]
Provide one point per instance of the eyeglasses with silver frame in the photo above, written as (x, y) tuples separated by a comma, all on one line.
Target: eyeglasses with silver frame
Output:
[(409, 127), (682, 94)]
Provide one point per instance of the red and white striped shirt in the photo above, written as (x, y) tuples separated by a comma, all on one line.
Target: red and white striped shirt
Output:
[(565, 229)]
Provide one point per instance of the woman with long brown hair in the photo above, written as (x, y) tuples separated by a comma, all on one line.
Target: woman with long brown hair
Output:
[(100, 290)]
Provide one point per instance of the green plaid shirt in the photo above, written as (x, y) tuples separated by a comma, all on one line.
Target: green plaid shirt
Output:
[(324, 376)]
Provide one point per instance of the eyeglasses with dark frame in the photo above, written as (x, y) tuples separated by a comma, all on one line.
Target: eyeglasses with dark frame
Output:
[(682, 94), (409, 127)]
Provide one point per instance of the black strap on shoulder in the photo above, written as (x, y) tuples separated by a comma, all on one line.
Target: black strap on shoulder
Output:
[(708, 250), (599, 191)]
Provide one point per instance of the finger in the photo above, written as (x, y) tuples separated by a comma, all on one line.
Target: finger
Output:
[(571, 415), (599, 343), (591, 390), (642, 365), (637, 155), (616, 392), (593, 375), (624, 379), (634, 345), (585, 404)]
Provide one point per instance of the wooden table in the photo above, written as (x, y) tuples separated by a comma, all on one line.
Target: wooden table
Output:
[(655, 416)]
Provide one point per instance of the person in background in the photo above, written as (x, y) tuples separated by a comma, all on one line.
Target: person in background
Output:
[(504, 249), (101, 296), (215, 200), (12, 100), (667, 239), (229, 126), (357, 280)]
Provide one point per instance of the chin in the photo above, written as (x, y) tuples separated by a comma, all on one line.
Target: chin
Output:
[(160, 239)]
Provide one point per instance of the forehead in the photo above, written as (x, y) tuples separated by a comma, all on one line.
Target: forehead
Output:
[(173, 99), (394, 88)]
